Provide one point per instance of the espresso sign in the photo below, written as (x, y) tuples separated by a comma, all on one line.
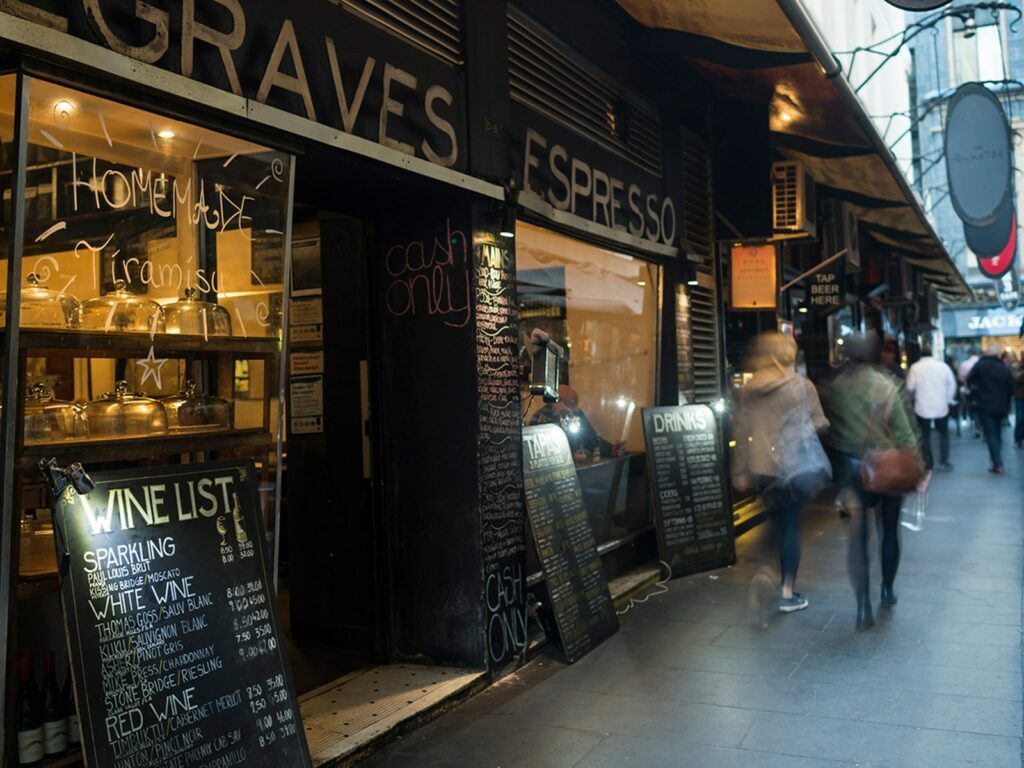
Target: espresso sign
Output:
[(175, 640), (979, 155), (579, 596), (686, 468)]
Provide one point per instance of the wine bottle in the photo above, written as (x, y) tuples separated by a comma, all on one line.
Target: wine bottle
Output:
[(30, 719), (55, 724), (74, 735)]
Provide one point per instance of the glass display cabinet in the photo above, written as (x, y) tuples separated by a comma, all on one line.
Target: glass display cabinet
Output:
[(145, 260)]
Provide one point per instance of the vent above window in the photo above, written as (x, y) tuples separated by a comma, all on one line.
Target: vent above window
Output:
[(433, 25), (546, 78)]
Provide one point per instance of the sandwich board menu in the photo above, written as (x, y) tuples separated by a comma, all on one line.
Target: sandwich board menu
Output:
[(174, 634), (686, 468), (583, 608)]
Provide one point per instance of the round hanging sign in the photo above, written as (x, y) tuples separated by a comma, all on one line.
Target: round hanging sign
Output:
[(979, 155), (990, 241), (998, 265), (919, 5)]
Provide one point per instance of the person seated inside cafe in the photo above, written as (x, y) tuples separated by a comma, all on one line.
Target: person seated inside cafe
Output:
[(584, 439)]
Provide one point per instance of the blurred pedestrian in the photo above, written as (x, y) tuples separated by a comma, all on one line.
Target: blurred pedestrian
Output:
[(956, 410), (932, 389), (967, 401), (1017, 369), (868, 414), (991, 386), (778, 451), (891, 358)]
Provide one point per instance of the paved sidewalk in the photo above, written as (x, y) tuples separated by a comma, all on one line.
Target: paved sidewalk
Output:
[(686, 682)]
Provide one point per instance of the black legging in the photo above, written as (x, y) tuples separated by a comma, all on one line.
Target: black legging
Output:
[(784, 504), (888, 517)]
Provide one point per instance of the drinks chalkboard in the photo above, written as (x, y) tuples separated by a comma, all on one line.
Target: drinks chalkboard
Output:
[(175, 640), (686, 467), (583, 608)]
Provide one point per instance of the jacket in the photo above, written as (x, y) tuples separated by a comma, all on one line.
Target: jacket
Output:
[(932, 386), (766, 402), (991, 385), (855, 403)]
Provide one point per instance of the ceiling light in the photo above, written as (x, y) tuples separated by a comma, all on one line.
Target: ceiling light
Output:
[(641, 282), (803, 310), (166, 133), (693, 282), (63, 107), (507, 233)]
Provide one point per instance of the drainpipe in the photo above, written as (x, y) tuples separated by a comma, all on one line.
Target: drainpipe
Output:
[(830, 66)]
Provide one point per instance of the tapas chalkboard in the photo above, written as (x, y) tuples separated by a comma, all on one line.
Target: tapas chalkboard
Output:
[(583, 608), (175, 639), (686, 467)]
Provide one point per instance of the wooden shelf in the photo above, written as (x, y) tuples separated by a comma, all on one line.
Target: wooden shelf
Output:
[(114, 344), (128, 448), (64, 761)]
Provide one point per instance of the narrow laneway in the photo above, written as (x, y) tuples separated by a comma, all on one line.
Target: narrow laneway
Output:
[(687, 682)]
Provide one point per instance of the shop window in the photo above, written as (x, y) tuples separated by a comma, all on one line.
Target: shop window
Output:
[(977, 50), (601, 307), (152, 266)]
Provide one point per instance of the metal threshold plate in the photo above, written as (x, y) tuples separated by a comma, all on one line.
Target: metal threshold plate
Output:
[(346, 715)]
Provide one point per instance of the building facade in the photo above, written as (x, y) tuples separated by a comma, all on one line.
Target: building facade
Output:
[(979, 45), (387, 200)]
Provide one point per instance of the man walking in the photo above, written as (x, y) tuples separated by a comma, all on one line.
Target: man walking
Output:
[(991, 385), (932, 389)]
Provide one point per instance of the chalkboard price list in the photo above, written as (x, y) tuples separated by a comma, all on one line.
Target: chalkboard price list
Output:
[(175, 647), (503, 526), (565, 542), (686, 467)]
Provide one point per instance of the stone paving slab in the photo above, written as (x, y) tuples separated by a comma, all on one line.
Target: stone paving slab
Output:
[(686, 682)]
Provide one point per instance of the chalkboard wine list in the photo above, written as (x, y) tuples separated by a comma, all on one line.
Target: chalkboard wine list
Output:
[(30, 716)]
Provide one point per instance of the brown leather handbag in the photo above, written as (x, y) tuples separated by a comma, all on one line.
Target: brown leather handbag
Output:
[(889, 471)]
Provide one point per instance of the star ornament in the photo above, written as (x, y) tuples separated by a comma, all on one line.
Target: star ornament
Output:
[(151, 368)]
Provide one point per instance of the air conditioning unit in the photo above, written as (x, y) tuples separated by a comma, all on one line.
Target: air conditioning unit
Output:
[(840, 230), (794, 207)]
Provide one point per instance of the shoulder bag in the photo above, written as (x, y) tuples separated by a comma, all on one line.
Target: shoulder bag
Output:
[(887, 469)]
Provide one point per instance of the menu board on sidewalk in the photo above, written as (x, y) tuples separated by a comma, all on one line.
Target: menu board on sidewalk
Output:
[(686, 467), (583, 608), (175, 639)]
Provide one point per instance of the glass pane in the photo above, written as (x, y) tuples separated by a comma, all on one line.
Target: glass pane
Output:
[(990, 53), (601, 306), (152, 278)]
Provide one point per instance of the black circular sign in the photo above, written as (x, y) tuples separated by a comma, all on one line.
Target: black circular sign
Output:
[(998, 265), (919, 5), (991, 240), (979, 155)]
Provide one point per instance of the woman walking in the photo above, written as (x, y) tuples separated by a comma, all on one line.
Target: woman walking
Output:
[(777, 448), (873, 432)]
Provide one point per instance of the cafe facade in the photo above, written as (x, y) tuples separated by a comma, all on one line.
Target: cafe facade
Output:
[(321, 237)]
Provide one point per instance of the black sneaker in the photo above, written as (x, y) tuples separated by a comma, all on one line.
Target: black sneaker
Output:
[(790, 604)]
